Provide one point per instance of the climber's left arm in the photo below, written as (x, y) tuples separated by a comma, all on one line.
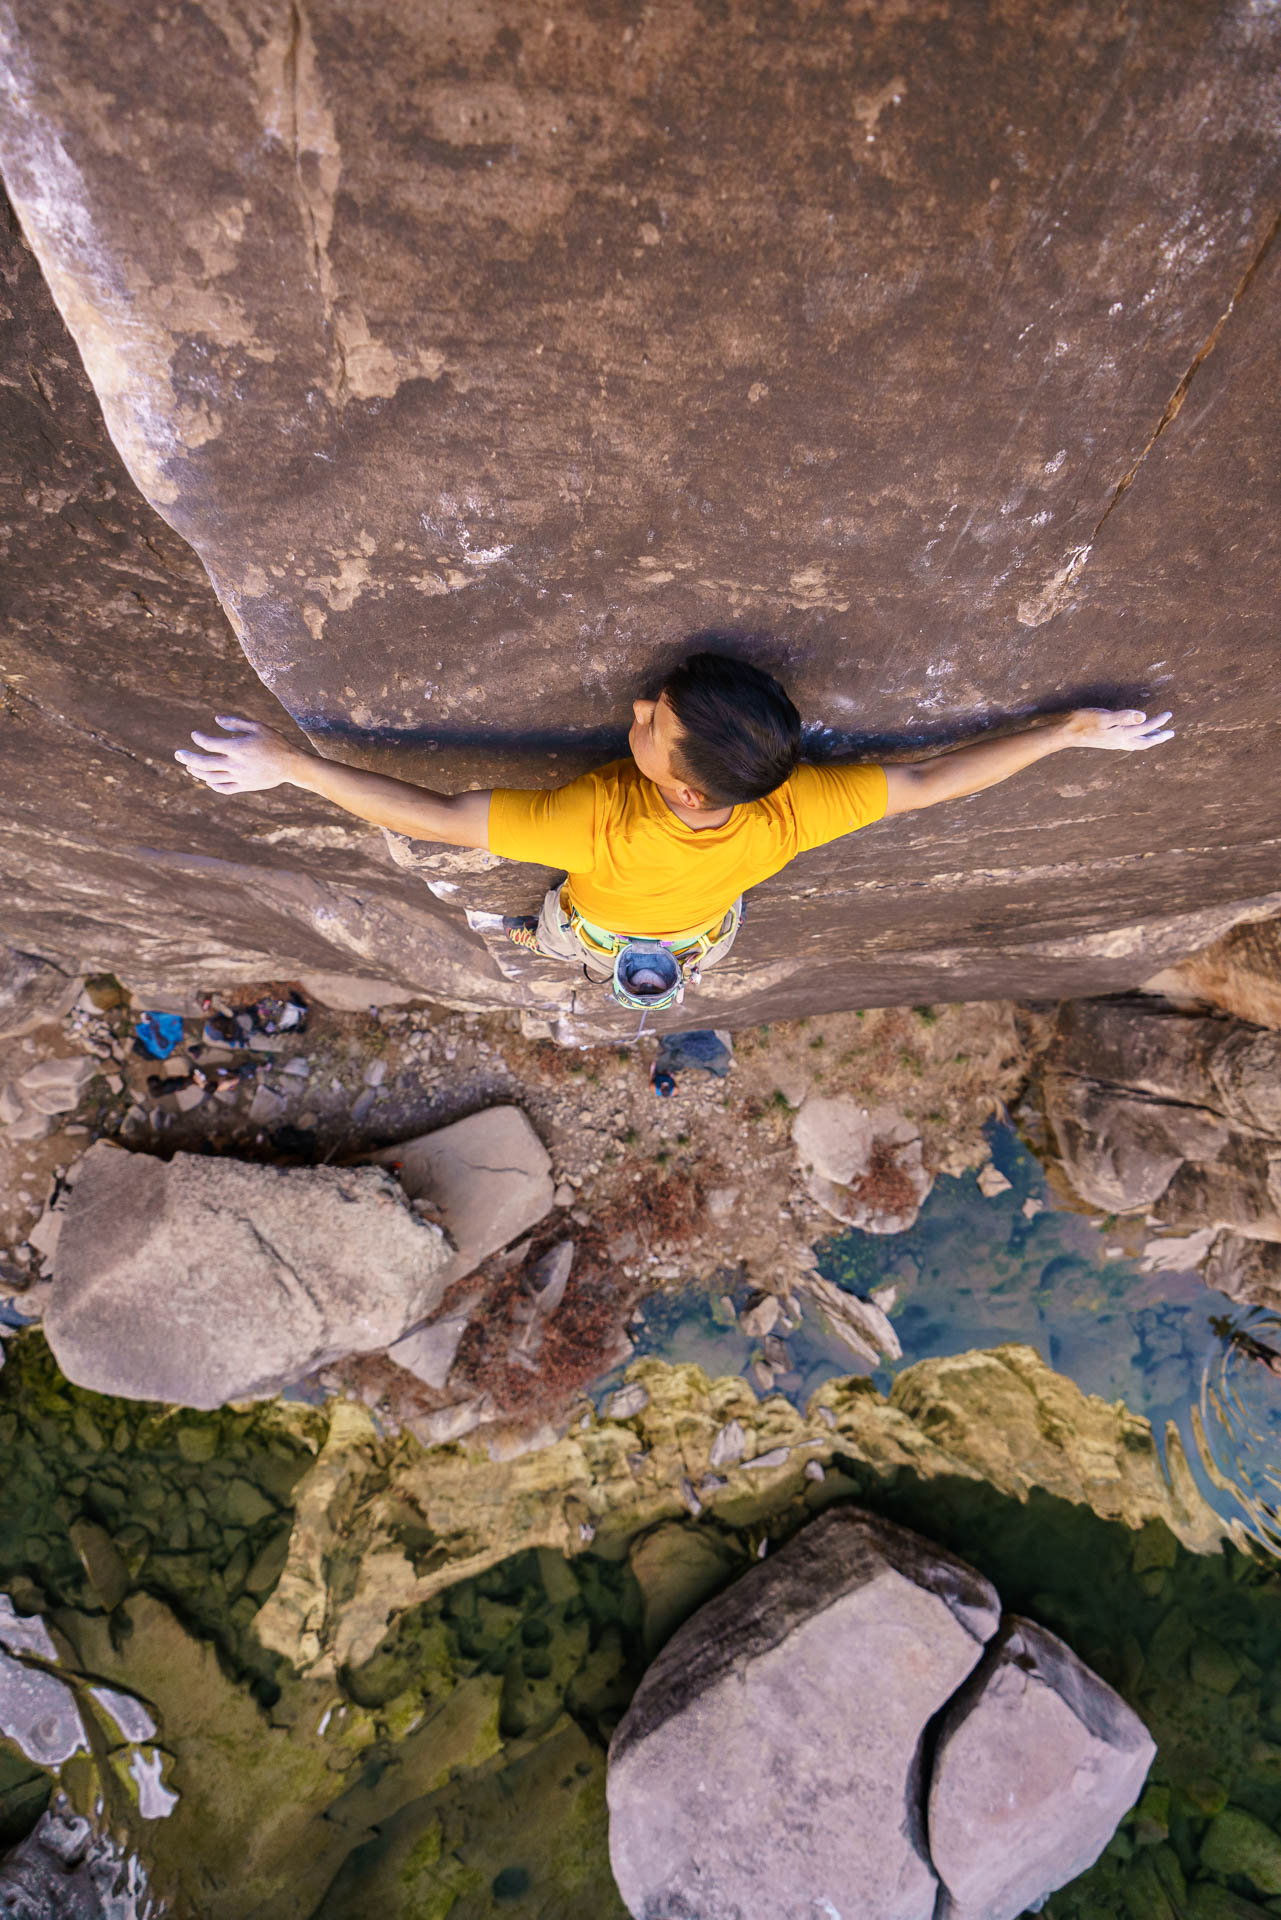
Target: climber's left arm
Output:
[(985, 763)]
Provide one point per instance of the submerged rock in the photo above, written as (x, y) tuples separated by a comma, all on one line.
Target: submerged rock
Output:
[(464, 1748), (64, 1870), (768, 1762), (1018, 1424), (1003, 1417), (1239, 1843), (1037, 1760), (201, 1280), (863, 1325), (38, 1711)]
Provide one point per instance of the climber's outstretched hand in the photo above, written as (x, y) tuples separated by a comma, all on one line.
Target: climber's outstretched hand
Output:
[(246, 757), (985, 763), (1122, 731)]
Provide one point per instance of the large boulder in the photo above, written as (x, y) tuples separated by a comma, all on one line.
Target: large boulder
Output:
[(1246, 1270), (1246, 1068), (1036, 1761), (1240, 1189), (1121, 1150), (206, 1280), (768, 1766), (1178, 1115), (1229, 1067), (1239, 973)]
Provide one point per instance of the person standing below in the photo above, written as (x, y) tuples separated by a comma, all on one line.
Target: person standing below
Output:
[(661, 846)]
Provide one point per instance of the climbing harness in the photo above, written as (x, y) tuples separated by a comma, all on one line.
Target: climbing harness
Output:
[(651, 974)]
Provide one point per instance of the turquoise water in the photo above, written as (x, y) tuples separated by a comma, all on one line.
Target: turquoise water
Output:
[(978, 1272)]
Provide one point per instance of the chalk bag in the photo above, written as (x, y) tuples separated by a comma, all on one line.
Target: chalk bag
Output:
[(647, 976)]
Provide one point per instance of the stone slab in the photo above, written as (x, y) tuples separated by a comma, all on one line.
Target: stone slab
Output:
[(490, 1176)]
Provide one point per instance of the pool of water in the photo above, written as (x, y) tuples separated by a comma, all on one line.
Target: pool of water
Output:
[(980, 1272)]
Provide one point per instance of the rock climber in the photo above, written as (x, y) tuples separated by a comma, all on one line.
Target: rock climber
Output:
[(659, 848)]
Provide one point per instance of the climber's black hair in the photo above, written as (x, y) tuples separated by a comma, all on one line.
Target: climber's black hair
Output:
[(740, 734)]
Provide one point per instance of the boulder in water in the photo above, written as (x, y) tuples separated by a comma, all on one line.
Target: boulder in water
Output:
[(768, 1763), (1037, 1760)]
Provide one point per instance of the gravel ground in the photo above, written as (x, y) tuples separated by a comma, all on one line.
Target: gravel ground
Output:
[(658, 1192)]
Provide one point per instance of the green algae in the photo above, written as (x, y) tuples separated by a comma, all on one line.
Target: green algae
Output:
[(1240, 1846), (458, 1772), (99, 1496)]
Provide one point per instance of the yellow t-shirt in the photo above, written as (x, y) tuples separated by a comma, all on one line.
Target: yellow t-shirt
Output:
[(635, 868)]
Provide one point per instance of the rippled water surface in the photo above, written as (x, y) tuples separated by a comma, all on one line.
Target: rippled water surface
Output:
[(978, 1272)]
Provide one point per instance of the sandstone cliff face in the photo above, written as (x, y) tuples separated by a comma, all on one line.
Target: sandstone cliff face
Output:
[(482, 360)]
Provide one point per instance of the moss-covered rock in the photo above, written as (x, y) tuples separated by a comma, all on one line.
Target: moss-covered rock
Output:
[(1238, 1843), (1208, 1901)]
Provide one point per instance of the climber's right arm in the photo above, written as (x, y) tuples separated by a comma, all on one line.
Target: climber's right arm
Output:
[(248, 757)]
